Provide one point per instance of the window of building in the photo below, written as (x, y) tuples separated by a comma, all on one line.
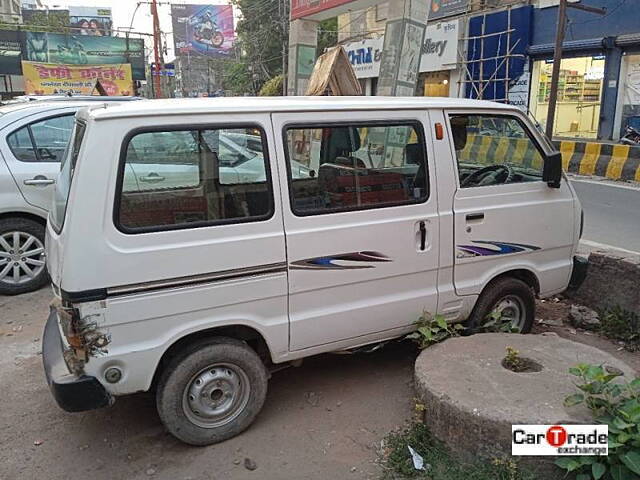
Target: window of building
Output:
[(630, 94), (494, 150), (336, 168), (197, 177), (579, 95), (43, 141)]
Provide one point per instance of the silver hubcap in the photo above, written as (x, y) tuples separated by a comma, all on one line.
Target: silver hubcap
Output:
[(511, 310), (216, 395), (21, 258)]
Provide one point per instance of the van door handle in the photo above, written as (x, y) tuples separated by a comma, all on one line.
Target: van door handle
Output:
[(40, 180), (152, 178), (423, 236), (474, 217)]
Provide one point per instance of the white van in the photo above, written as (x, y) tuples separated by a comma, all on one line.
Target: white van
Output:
[(181, 268)]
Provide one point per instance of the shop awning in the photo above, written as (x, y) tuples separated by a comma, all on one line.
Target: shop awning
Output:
[(570, 46)]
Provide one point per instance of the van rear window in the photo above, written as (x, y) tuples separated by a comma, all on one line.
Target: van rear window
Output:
[(63, 185), (186, 178), (345, 167)]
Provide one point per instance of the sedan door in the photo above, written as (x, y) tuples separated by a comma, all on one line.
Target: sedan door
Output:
[(33, 152)]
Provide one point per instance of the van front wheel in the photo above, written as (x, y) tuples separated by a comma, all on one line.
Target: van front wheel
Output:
[(511, 301), (212, 391)]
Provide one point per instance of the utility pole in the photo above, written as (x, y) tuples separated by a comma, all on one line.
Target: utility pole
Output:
[(557, 57), (156, 49)]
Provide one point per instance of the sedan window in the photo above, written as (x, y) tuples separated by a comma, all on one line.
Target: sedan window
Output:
[(43, 141)]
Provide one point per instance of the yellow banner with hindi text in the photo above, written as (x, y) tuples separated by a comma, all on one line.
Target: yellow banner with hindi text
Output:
[(51, 79)]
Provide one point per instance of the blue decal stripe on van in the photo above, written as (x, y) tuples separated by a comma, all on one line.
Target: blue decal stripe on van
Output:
[(487, 247), (327, 262)]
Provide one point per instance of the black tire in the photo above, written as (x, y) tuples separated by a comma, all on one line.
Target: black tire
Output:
[(30, 227), (176, 379), (493, 293)]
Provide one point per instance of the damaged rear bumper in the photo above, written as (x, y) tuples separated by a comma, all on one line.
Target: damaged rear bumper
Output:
[(72, 393)]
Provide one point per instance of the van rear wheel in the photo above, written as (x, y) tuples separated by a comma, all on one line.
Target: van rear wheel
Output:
[(212, 391), (22, 257), (511, 299)]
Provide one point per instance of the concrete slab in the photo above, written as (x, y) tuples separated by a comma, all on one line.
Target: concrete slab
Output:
[(471, 400)]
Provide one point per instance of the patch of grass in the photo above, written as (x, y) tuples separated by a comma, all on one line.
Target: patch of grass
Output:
[(620, 324), (397, 463)]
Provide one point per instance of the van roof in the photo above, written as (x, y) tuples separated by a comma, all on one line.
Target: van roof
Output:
[(181, 106)]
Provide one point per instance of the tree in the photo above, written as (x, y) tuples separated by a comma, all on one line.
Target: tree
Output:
[(263, 37), (236, 78), (272, 88), (46, 20), (327, 35)]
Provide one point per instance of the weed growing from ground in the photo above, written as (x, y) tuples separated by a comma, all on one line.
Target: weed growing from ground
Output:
[(620, 324), (440, 465)]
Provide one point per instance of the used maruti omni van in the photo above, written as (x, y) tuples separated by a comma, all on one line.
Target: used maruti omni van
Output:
[(178, 273)]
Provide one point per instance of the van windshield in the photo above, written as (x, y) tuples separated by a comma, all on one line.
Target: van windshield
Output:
[(63, 185)]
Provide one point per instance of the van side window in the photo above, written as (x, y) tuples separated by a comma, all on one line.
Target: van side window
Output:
[(43, 141), (188, 178), (494, 150), (336, 168)]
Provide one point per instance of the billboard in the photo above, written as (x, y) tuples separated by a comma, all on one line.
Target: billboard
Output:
[(10, 52), (91, 21), (51, 79), (446, 8), (45, 18), (203, 29), (49, 47)]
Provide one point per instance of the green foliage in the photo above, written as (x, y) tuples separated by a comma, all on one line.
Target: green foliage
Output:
[(272, 88), (432, 329), (495, 323), (263, 36), (513, 361), (620, 324), (47, 21), (616, 405), (440, 465), (327, 35), (236, 78)]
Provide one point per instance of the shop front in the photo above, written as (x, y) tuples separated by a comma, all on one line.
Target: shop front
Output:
[(365, 59), (579, 95), (599, 85), (438, 76), (628, 105)]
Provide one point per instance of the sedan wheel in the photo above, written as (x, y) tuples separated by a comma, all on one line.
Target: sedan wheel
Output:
[(22, 256)]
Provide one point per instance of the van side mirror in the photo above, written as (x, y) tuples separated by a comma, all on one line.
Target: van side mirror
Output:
[(552, 171)]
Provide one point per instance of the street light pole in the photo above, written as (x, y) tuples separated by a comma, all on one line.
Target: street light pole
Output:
[(557, 57), (555, 74), (156, 49)]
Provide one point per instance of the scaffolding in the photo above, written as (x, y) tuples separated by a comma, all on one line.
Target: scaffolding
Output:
[(476, 81)]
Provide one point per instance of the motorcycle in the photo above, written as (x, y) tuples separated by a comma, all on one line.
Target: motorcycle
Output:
[(206, 34), (631, 137)]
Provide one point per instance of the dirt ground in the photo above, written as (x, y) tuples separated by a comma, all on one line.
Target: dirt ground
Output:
[(557, 311), (322, 420), (325, 419)]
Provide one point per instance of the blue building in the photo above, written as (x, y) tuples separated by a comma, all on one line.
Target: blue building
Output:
[(509, 58)]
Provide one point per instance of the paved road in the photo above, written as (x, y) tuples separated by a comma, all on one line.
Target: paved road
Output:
[(611, 213)]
